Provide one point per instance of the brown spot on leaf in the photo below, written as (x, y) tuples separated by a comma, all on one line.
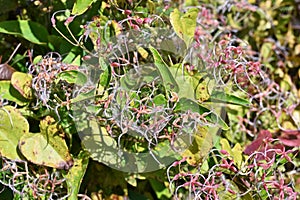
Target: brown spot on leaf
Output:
[(65, 165), (70, 164), (22, 143), (61, 165)]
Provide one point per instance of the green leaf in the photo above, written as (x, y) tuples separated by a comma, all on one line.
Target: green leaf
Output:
[(189, 86), (31, 31), (223, 192), (151, 5), (80, 6), (168, 80), (73, 54), (22, 83), (98, 142), (72, 76), (185, 104), (75, 174), (134, 80), (162, 150), (105, 149), (37, 59), (160, 100), (105, 76), (131, 180), (57, 42), (266, 51), (7, 91), (191, 3), (220, 96), (232, 22), (12, 127), (84, 96), (70, 57), (263, 194), (184, 24), (46, 148), (77, 60), (161, 189)]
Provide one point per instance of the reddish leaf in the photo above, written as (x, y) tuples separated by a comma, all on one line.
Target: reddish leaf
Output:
[(257, 143), (6, 71), (290, 138)]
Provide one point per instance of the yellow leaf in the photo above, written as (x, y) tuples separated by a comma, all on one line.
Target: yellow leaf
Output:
[(46, 148), (235, 152), (184, 24), (142, 52), (116, 27), (297, 49), (200, 146), (233, 22)]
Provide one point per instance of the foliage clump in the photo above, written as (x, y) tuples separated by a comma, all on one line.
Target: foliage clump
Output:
[(193, 99)]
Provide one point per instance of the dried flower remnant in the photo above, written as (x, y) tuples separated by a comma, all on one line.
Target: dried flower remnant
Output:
[(45, 73)]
